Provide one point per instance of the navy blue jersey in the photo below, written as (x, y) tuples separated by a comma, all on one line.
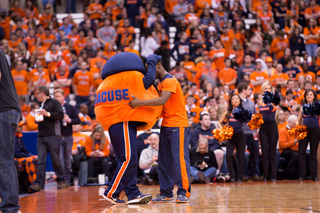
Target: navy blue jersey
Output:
[(310, 121), (268, 112), (235, 124)]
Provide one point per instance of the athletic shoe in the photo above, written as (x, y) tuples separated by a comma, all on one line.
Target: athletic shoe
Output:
[(255, 178), (35, 188), (113, 200), (162, 199), (182, 199), (141, 199), (221, 178), (227, 176)]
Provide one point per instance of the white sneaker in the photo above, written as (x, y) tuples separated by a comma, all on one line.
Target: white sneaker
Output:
[(141, 199)]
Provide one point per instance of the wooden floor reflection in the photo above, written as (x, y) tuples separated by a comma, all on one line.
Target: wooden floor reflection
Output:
[(283, 196)]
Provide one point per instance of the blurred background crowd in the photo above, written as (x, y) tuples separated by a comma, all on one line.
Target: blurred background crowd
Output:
[(210, 46)]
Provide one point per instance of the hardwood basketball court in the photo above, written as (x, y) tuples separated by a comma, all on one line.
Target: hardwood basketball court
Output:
[(282, 196)]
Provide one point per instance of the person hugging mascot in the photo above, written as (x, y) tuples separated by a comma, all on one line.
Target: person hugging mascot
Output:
[(124, 75)]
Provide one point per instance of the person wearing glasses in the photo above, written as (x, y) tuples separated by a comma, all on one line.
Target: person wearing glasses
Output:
[(49, 138)]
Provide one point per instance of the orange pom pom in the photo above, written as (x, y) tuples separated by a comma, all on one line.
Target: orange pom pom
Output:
[(298, 132), (223, 133), (256, 121)]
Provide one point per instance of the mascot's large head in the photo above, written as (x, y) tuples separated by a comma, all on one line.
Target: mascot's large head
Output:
[(122, 77), (123, 62)]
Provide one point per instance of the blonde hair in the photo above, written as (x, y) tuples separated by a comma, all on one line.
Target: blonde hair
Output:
[(276, 116), (59, 91), (263, 87), (98, 128), (221, 109)]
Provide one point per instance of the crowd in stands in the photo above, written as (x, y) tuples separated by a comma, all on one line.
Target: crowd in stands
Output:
[(213, 52)]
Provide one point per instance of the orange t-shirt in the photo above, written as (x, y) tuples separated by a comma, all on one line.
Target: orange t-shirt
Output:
[(31, 42), (18, 11), (63, 78), (226, 40), (278, 46), (34, 14), (169, 4), (126, 34), (23, 27), (194, 112), (220, 55), (265, 19), (47, 41), (226, 76), (14, 44), (97, 83), (83, 82), (45, 19), (240, 36), (95, 69), (114, 9), (66, 56), (280, 77), (21, 80), (316, 88), (95, 7), (312, 31), (200, 4), (91, 147), (203, 70), (73, 38), (239, 55), (127, 49), (79, 139), (80, 44), (174, 112), (192, 66), (309, 74), (108, 55), (93, 61), (312, 10), (257, 7), (35, 72), (53, 63), (31, 124), (190, 17), (258, 77), (85, 121), (5, 24), (286, 141), (44, 79), (41, 51)]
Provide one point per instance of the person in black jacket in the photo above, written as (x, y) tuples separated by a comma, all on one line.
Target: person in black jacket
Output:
[(49, 138), (203, 164), (70, 117), (10, 113)]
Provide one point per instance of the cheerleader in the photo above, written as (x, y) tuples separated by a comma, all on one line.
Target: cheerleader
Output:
[(312, 124), (268, 136), (237, 141)]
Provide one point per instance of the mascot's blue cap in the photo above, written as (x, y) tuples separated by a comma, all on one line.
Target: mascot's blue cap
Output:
[(122, 62)]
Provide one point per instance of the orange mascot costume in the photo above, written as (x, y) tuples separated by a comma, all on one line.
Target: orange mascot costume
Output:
[(124, 75)]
